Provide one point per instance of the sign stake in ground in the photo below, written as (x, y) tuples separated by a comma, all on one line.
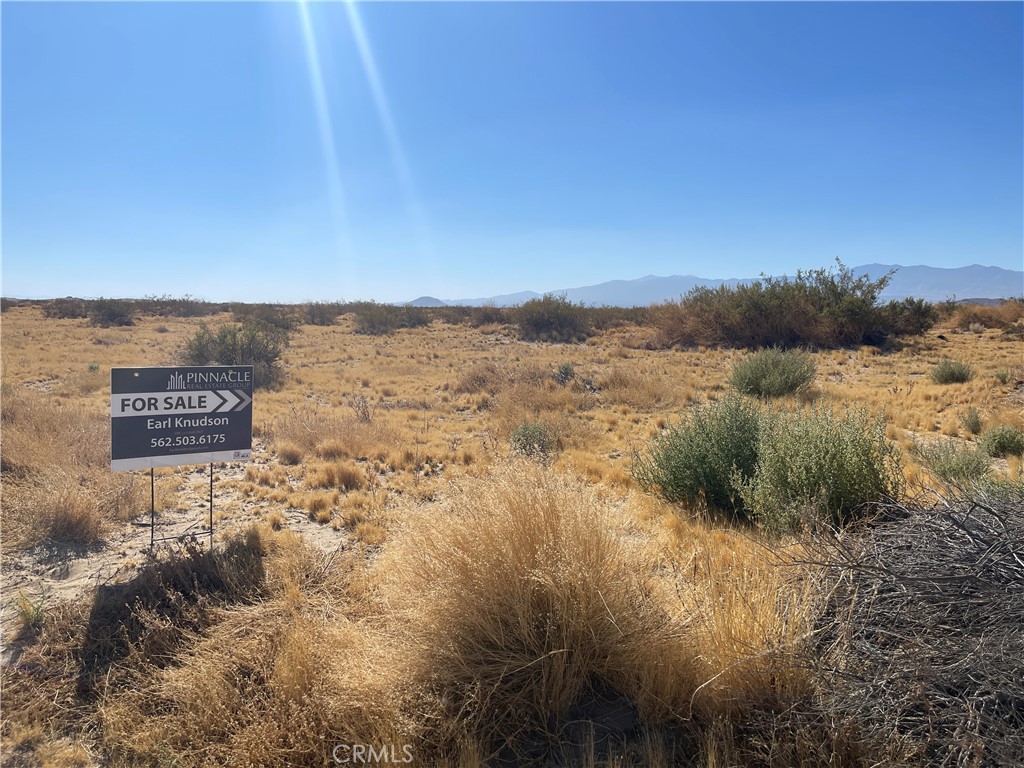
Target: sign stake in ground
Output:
[(171, 417)]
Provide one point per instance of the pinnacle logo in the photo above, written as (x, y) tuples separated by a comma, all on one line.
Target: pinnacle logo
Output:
[(177, 381)]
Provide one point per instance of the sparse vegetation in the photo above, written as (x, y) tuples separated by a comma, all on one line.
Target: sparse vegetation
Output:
[(951, 372), (321, 313), (411, 582), (375, 319), (774, 373)]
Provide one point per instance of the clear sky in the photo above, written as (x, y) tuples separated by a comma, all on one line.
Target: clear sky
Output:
[(291, 152)]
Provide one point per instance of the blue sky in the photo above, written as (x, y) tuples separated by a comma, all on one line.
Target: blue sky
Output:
[(258, 151)]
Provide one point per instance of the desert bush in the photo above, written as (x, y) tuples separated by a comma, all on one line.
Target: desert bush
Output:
[(488, 314), (951, 372), (815, 461), (953, 463), (66, 308), (971, 419), (320, 312), (565, 373), (773, 373), (375, 319), (252, 343), (552, 318), (820, 307), (701, 458), (170, 306), (111, 312), (278, 318), (534, 440), (1002, 376), (909, 317), (1003, 441)]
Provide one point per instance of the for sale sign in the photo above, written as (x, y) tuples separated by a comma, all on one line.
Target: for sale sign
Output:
[(167, 417)]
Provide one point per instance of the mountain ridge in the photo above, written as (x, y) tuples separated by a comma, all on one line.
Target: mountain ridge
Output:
[(917, 281)]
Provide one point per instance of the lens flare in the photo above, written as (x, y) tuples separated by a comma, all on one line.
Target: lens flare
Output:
[(384, 114), (326, 130)]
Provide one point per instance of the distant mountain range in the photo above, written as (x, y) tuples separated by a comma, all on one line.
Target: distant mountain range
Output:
[(931, 283)]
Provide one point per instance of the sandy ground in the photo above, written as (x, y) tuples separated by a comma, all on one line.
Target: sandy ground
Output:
[(48, 574)]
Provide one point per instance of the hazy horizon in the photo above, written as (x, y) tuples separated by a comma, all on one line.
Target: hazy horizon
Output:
[(332, 151)]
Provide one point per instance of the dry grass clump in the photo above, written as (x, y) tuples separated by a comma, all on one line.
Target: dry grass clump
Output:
[(630, 386), (531, 604), (58, 486), (481, 377), (524, 597), (346, 475), (253, 652), (327, 433), (1001, 316)]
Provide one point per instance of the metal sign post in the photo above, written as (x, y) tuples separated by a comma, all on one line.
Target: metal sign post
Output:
[(170, 417)]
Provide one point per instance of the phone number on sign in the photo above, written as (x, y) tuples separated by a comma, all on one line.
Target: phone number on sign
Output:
[(170, 442)]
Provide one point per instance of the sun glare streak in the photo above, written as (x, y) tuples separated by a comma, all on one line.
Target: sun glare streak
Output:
[(398, 159), (326, 130)]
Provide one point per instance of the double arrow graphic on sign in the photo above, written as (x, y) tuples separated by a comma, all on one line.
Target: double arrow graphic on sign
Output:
[(231, 400)]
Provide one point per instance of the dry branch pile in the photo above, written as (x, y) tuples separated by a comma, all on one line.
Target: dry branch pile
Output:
[(928, 631)]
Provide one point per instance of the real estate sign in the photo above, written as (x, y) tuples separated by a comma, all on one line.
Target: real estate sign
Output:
[(167, 417)]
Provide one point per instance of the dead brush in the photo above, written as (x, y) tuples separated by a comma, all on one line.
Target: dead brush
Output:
[(922, 640)]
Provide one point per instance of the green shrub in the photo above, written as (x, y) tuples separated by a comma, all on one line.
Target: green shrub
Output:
[(534, 440), (701, 457), (251, 343), (111, 312), (951, 372), (1002, 376), (773, 373), (1003, 441), (953, 463), (971, 419), (553, 318), (819, 462)]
